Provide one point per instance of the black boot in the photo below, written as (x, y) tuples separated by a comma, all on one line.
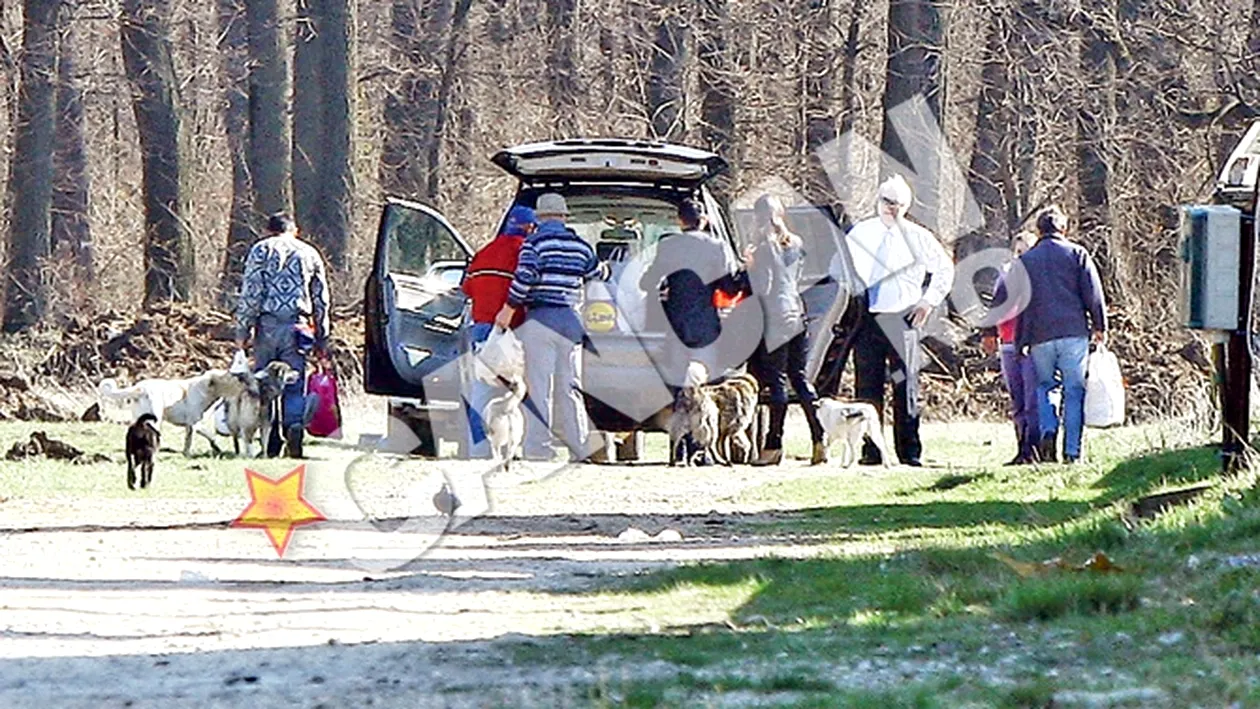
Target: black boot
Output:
[(772, 454), (293, 442)]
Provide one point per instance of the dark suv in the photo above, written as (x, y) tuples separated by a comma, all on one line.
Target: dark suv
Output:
[(623, 197)]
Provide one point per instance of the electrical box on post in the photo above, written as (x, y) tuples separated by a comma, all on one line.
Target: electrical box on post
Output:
[(1211, 258)]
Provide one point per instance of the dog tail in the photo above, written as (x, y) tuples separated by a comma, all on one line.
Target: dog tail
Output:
[(108, 389)]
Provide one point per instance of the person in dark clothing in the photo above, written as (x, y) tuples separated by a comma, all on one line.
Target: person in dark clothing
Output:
[(689, 269), (774, 271), (894, 258), (1065, 309)]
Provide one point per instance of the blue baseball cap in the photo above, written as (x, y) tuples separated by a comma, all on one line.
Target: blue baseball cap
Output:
[(518, 219)]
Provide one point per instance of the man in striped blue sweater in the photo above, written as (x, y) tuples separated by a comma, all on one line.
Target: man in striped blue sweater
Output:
[(553, 269)]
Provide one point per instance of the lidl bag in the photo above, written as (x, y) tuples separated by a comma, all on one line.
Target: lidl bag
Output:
[(503, 354), (326, 421), (1104, 389)]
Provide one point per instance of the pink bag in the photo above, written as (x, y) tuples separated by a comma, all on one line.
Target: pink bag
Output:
[(326, 422)]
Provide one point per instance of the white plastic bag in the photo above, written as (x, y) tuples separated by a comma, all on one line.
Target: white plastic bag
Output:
[(1104, 389), (502, 354)]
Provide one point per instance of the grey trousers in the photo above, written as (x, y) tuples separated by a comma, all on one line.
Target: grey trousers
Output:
[(553, 374)]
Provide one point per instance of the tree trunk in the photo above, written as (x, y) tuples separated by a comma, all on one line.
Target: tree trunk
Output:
[(268, 109), (1095, 120), (819, 125), (71, 226), (31, 167), (150, 68), (427, 41), (990, 156), (838, 163), (916, 39), (323, 124), (563, 84), (666, 73), (234, 49), (717, 83)]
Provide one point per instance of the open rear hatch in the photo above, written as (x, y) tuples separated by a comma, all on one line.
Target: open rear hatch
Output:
[(602, 159)]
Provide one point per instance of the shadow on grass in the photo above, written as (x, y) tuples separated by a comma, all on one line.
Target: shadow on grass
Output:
[(932, 584), (1140, 476)]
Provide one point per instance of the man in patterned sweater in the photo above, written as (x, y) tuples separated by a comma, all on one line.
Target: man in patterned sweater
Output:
[(554, 266), (283, 313)]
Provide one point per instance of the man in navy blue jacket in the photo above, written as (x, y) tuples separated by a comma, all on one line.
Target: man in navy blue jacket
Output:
[(1066, 308)]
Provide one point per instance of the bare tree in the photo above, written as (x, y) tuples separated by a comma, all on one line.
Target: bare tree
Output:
[(234, 51), (71, 225), (323, 124), (1096, 119), (716, 80), (563, 83), (150, 67), (427, 39), (916, 53), (819, 119), (666, 91), (268, 108), (991, 155), (31, 167)]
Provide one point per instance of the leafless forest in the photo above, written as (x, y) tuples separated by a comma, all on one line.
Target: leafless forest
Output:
[(146, 138)]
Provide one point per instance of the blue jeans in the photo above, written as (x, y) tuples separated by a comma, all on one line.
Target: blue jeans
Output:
[(277, 341), (1067, 358), (479, 394)]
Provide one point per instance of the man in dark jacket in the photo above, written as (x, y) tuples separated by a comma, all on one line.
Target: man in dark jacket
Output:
[(1065, 308), (689, 268)]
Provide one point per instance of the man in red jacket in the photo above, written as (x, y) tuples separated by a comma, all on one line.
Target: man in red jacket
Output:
[(486, 283)]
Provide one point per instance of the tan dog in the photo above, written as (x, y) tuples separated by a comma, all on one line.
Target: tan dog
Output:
[(251, 402), (694, 413), (736, 402)]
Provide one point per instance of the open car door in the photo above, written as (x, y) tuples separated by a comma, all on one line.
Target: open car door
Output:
[(830, 302), (413, 308)]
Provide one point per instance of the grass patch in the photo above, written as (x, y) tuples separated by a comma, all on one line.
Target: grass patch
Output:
[(1082, 594)]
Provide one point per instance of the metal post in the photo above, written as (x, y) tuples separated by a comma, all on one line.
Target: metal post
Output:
[(1236, 393)]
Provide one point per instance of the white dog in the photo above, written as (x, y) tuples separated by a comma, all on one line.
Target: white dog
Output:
[(183, 402), (851, 422), (505, 422)]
